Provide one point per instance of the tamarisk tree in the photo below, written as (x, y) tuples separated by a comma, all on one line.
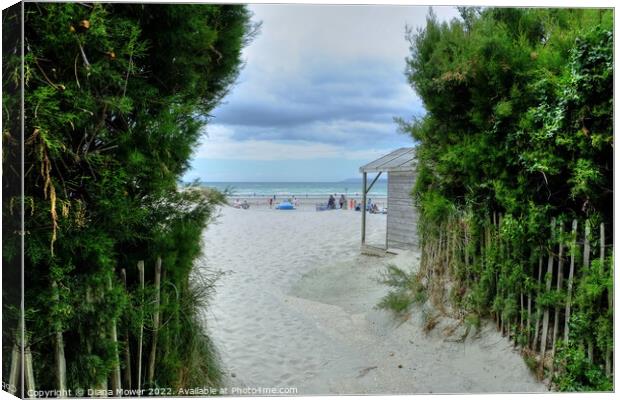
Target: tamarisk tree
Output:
[(518, 133), (116, 96)]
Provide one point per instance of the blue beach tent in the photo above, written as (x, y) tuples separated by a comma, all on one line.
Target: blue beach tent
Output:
[(285, 205)]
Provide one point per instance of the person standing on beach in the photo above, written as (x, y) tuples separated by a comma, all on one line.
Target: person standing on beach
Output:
[(331, 203), (342, 201), (270, 202)]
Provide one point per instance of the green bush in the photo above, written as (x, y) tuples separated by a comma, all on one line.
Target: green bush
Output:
[(115, 101), (519, 128)]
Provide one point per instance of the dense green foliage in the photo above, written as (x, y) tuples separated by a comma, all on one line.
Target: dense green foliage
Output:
[(519, 122), (115, 97)]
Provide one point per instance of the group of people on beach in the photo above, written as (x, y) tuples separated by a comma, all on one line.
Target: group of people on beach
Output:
[(241, 204), (331, 203), (342, 203)]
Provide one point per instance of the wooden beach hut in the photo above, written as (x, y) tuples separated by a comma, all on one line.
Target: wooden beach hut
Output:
[(401, 230)]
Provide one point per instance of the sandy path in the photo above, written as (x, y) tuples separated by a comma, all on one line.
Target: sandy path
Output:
[(296, 309)]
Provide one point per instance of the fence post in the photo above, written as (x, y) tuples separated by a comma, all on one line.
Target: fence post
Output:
[(127, 372), (141, 272), (609, 299), (14, 372), (500, 244), (548, 278), (16, 361), (586, 266), (466, 237), (560, 278), (155, 320), (453, 257), (522, 313), (28, 369), (538, 308), (61, 365), (529, 318), (570, 279), (116, 372)]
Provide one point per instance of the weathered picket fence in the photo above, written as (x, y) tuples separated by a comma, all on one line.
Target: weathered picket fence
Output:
[(113, 384), (456, 256)]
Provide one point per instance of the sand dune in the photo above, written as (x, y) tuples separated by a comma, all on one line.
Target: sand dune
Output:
[(296, 308)]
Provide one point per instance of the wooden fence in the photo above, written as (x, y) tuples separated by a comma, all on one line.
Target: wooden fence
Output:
[(535, 309), (114, 384)]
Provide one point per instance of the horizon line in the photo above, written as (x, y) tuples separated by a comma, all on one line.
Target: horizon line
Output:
[(276, 181)]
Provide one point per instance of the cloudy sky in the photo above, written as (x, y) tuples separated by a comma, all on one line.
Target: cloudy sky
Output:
[(317, 97)]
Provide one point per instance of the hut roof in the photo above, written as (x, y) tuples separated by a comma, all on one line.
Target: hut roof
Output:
[(402, 159)]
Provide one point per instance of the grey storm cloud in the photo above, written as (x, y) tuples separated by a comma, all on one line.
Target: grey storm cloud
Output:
[(371, 93), (285, 113), (336, 132), (325, 74)]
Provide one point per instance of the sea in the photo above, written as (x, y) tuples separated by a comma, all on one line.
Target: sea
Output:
[(298, 189)]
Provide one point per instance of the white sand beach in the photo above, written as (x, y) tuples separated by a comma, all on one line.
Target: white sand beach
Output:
[(296, 308)]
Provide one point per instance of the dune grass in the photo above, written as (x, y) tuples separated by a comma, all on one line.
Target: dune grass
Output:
[(406, 290)]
